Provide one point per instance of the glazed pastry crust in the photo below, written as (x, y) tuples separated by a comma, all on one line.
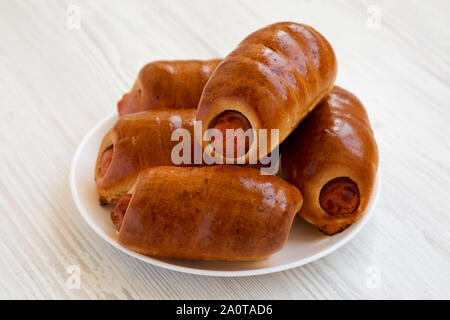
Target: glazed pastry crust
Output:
[(275, 77), (172, 84), (210, 213), (334, 141), (140, 141)]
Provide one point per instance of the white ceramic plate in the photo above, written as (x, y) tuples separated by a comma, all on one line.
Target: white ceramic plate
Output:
[(305, 243)]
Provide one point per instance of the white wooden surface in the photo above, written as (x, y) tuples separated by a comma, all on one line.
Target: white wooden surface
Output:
[(57, 82)]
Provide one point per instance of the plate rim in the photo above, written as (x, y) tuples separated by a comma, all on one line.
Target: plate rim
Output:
[(204, 272)]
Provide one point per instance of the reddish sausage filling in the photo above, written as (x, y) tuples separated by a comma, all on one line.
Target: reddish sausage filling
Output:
[(339, 196), (129, 103), (105, 162), (119, 211), (233, 120)]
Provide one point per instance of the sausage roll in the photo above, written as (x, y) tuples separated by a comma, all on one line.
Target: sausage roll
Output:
[(168, 85), (136, 142), (272, 80), (209, 213), (332, 157)]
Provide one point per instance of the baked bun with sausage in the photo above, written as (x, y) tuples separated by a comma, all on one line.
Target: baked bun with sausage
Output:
[(332, 157), (137, 141), (208, 213), (168, 85), (272, 80)]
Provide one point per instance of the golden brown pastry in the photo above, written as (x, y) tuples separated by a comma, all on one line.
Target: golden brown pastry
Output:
[(272, 80), (210, 213), (332, 157), (168, 85), (136, 142)]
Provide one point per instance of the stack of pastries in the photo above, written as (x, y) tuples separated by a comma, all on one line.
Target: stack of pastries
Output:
[(279, 77)]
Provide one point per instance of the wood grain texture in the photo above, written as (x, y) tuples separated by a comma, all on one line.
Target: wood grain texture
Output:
[(57, 83)]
